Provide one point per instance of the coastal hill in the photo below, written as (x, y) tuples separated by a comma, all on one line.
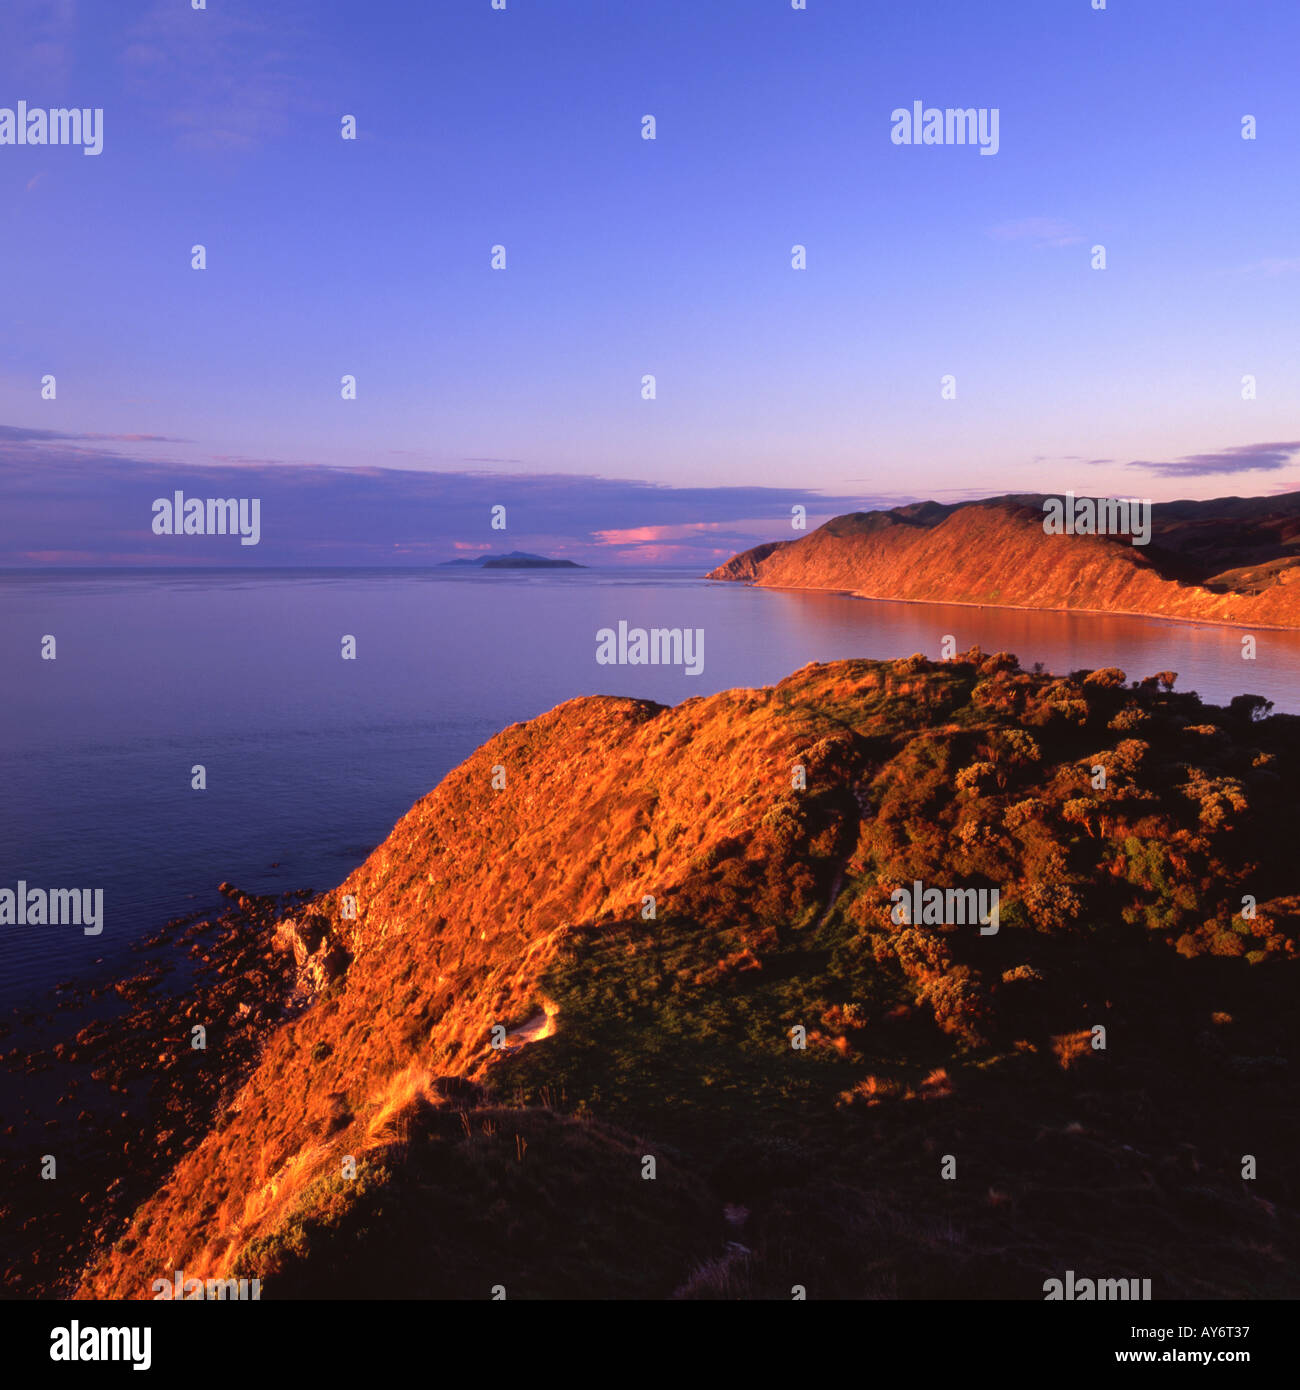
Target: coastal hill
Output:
[(1232, 560), (547, 1036)]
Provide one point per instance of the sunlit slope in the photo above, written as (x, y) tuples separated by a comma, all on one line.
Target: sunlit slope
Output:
[(658, 902), (1223, 562)]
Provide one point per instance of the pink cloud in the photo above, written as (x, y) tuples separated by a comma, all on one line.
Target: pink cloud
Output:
[(637, 535)]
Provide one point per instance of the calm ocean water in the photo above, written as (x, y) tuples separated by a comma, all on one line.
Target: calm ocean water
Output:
[(311, 759)]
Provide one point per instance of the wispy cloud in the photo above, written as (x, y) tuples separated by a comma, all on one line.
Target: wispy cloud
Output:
[(225, 80), (1242, 458), (39, 37), (21, 434), (1038, 231), (1069, 458), (63, 495), (636, 535), (1269, 267)]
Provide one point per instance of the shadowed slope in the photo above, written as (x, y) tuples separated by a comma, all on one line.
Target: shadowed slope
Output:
[(629, 1036)]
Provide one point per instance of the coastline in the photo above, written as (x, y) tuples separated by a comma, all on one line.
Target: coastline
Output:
[(133, 1080), (1007, 607)]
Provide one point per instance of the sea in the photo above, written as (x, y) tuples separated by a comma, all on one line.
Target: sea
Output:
[(310, 759)]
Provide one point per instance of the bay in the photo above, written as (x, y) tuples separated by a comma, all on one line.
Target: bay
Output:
[(311, 759)]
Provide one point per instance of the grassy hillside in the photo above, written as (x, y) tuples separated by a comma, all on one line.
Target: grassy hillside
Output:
[(929, 1049), (1233, 560)]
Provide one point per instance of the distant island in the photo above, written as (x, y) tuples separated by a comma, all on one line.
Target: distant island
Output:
[(515, 560), (1232, 560)]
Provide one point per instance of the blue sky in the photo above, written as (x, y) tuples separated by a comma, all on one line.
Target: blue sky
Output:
[(626, 257)]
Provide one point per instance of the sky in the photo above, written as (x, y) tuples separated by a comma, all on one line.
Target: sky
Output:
[(626, 258)]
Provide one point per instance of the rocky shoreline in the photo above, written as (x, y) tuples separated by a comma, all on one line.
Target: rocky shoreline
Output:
[(138, 1083)]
